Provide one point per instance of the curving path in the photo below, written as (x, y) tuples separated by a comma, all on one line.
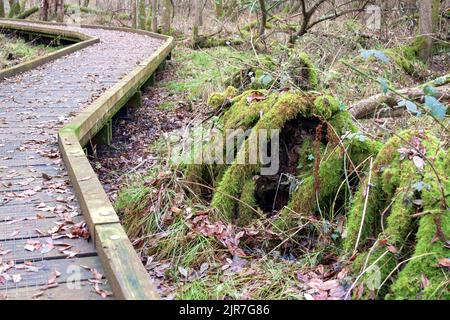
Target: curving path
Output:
[(43, 254)]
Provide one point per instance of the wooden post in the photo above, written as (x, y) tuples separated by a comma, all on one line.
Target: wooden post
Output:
[(135, 101), (104, 136)]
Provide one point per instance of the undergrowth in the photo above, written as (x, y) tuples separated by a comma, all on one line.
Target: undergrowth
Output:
[(15, 50)]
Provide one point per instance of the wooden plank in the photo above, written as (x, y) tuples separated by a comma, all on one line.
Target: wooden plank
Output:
[(39, 273), (124, 270), (18, 253), (30, 209), (85, 291), (28, 228)]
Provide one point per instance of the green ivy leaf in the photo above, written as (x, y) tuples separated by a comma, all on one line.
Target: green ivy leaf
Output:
[(384, 85), (437, 109), (430, 91), (380, 55), (342, 106), (410, 106), (266, 80)]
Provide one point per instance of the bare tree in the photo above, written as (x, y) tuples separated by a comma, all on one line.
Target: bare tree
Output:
[(197, 22), (142, 14), (262, 26), (59, 10), (310, 8), (155, 15), (43, 10), (133, 14), (167, 15), (2, 9), (426, 29)]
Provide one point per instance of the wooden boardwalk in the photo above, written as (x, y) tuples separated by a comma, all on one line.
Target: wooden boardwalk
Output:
[(43, 253)]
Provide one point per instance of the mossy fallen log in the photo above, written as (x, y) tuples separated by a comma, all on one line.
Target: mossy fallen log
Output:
[(27, 13), (406, 192), (394, 197), (311, 127), (204, 42)]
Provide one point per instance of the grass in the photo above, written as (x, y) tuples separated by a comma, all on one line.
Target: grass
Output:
[(202, 72), (15, 50), (272, 279)]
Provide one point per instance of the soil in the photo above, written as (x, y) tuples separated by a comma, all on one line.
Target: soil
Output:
[(134, 132)]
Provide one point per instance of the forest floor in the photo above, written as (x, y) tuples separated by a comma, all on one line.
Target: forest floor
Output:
[(15, 50), (157, 207)]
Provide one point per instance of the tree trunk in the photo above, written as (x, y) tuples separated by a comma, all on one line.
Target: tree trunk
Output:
[(167, 16), (43, 10), (197, 22), (426, 29), (141, 14), (262, 27), (133, 14), (155, 15), (219, 8), (2, 9), (59, 10)]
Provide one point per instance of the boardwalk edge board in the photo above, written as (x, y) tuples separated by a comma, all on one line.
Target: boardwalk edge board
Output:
[(125, 273)]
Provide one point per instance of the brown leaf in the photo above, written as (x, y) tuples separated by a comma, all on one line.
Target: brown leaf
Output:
[(46, 176), (392, 249), (255, 96), (101, 292), (444, 263)]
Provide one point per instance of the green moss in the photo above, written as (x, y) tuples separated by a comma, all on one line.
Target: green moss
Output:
[(217, 99), (424, 265), (246, 203), (312, 70), (302, 71), (244, 114), (428, 249), (407, 56), (326, 106), (286, 107), (393, 194), (377, 197)]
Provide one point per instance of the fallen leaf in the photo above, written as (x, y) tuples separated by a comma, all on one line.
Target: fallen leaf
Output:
[(16, 278), (444, 263), (101, 292)]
